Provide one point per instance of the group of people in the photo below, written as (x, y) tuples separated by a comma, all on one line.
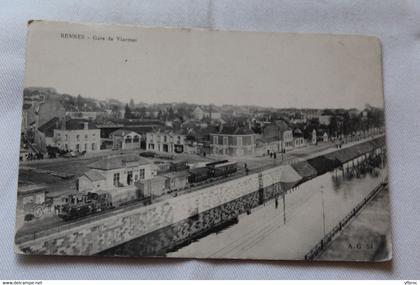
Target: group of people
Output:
[(273, 154), (31, 156)]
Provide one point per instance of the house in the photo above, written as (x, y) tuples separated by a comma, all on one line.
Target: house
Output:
[(314, 137), (45, 111), (77, 135), (233, 141), (115, 172), (298, 139), (123, 139), (199, 114), (166, 141), (278, 136), (215, 116), (47, 129), (325, 120)]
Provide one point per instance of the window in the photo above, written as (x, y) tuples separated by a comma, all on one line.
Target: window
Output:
[(93, 146), (86, 137), (77, 147), (246, 140), (141, 173), (67, 137), (220, 140), (116, 179), (78, 137), (239, 141), (136, 139), (230, 140), (129, 177), (85, 146)]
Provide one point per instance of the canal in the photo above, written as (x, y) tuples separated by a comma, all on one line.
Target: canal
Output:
[(263, 233)]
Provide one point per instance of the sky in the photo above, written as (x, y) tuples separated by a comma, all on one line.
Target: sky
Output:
[(158, 65)]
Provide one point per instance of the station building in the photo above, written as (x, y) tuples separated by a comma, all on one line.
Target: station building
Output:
[(115, 172)]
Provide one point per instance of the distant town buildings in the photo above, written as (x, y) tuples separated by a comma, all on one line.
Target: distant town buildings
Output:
[(53, 124), (325, 120), (198, 113), (84, 115)]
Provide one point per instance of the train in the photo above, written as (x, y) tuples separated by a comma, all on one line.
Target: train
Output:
[(79, 205), (212, 170), (83, 204)]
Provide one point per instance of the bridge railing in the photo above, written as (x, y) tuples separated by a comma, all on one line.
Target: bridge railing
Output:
[(321, 245)]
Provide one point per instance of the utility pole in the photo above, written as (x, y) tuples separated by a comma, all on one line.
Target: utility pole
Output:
[(323, 207), (284, 207)]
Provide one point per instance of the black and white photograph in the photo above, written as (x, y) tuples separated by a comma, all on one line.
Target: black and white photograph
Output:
[(199, 143)]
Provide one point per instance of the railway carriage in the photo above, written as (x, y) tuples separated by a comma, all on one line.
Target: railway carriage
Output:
[(223, 169)]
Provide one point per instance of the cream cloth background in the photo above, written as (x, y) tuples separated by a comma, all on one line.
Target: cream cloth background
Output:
[(396, 23)]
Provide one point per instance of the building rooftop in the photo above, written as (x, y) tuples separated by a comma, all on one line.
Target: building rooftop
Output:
[(26, 106), (77, 124), (93, 175), (118, 162), (234, 130), (122, 132), (48, 127), (175, 174)]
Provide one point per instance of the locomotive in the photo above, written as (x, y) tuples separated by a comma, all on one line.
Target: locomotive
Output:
[(82, 204)]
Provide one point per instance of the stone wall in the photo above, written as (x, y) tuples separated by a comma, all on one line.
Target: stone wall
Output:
[(114, 228)]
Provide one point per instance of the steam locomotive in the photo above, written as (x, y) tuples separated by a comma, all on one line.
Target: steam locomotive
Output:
[(82, 204)]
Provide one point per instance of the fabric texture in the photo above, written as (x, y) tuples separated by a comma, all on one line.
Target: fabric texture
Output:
[(396, 23)]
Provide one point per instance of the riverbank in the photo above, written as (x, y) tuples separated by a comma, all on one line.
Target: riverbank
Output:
[(367, 237)]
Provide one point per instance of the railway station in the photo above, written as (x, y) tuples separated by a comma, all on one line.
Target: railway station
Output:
[(168, 193)]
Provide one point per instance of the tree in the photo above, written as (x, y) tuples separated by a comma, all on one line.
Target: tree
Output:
[(132, 105), (127, 113)]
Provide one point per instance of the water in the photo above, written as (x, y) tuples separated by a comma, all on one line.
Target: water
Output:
[(264, 235)]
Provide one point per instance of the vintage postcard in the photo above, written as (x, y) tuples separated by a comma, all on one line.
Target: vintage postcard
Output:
[(192, 143)]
